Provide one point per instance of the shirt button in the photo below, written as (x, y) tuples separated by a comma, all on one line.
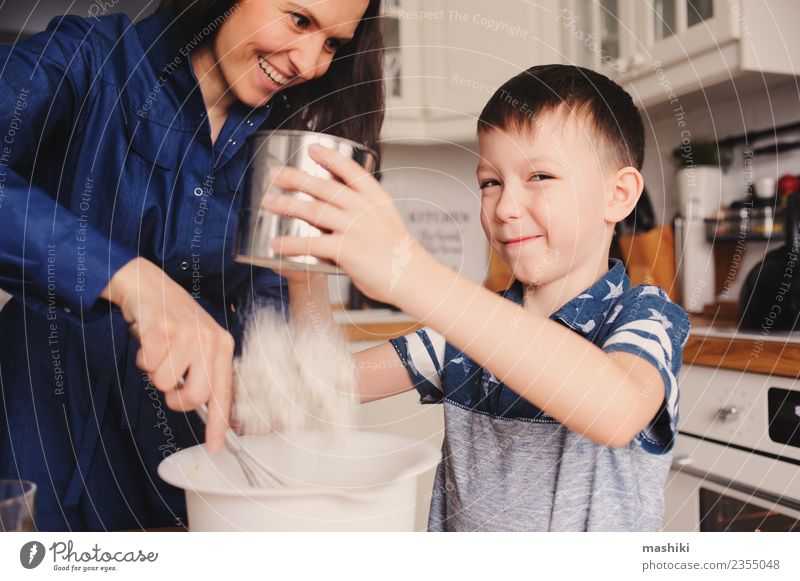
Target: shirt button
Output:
[(232, 141), (198, 192), (249, 123), (67, 310), (184, 265)]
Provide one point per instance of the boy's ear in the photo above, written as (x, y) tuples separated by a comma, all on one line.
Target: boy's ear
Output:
[(626, 187)]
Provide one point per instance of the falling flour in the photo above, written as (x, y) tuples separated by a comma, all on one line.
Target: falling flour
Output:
[(292, 376)]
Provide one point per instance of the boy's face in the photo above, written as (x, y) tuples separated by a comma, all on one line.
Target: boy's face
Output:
[(543, 197)]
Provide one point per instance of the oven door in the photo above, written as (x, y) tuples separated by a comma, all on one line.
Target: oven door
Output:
[(715, 488)]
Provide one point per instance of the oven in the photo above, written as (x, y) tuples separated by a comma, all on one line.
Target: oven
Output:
[(736, 465)]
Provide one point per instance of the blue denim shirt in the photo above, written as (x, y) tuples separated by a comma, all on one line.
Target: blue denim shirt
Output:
[(105, 155)]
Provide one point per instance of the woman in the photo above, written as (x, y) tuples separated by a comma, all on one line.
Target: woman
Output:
[(119, 167)]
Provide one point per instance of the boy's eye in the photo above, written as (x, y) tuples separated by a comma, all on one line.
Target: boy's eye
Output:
[(540, 177), (489, 184), (300, 21)]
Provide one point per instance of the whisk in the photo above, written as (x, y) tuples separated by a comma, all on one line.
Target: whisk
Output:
[(257, 473)]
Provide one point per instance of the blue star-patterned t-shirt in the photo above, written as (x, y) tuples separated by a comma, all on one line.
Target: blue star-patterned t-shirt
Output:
[(504, 456)]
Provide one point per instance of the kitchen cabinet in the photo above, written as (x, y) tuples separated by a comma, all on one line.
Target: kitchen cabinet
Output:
[(660, 50), (670, 31), (597, 34), (620, 38), (444, 60)]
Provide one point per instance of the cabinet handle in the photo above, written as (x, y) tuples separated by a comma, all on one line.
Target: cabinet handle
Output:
[(681, 461), (728, 413)]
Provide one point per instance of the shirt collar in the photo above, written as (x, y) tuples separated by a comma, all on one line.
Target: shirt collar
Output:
[(584, 313), (161, 85)]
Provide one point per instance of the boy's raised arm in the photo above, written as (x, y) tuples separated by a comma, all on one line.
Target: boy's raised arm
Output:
[(607, 397)]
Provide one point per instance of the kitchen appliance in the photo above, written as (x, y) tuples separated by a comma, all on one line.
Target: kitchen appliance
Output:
[(341, 481), (699, 193), (258, 227), (770, 297), (736, 465)]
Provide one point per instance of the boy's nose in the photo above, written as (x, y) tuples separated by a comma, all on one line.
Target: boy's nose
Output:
[(508, 207)]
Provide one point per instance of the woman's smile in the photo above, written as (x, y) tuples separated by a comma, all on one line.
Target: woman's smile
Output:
[(271, 78)]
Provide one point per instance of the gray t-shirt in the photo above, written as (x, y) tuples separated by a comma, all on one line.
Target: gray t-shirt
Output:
[(507, 465)]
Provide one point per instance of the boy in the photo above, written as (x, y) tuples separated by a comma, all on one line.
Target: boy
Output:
[(560, 394)]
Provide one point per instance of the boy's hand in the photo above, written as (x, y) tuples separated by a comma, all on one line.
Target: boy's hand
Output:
[(367, 238)]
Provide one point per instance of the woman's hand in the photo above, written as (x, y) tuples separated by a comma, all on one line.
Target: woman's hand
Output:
[(179, 341), (367, 238)]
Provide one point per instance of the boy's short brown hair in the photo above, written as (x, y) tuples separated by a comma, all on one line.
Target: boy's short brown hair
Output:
[(517, 104)]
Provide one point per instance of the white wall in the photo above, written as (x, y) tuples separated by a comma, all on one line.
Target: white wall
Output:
[(716, 120), (437, 182), (431, 183)]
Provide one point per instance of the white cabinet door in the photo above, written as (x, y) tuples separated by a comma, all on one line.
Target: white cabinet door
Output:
[(598, 34), (403, 61), (668, 31), (482, 45), (446, 58), (684, 46), (624, 39)]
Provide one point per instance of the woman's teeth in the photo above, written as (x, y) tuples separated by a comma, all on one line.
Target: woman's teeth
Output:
[(274, 75)]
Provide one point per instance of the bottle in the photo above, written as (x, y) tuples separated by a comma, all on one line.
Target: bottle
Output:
[(765, 189), (787, 184)]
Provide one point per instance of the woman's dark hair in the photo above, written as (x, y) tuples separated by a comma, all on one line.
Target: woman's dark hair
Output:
[(518, 103), (348, 101)]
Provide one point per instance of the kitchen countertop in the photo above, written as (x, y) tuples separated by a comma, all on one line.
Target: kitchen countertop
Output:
[(369, 316), (719, 343), (713, 341), (374, 324), (730, 331)]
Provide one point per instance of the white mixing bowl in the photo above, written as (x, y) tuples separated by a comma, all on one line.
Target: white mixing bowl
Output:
[(347, 481)]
